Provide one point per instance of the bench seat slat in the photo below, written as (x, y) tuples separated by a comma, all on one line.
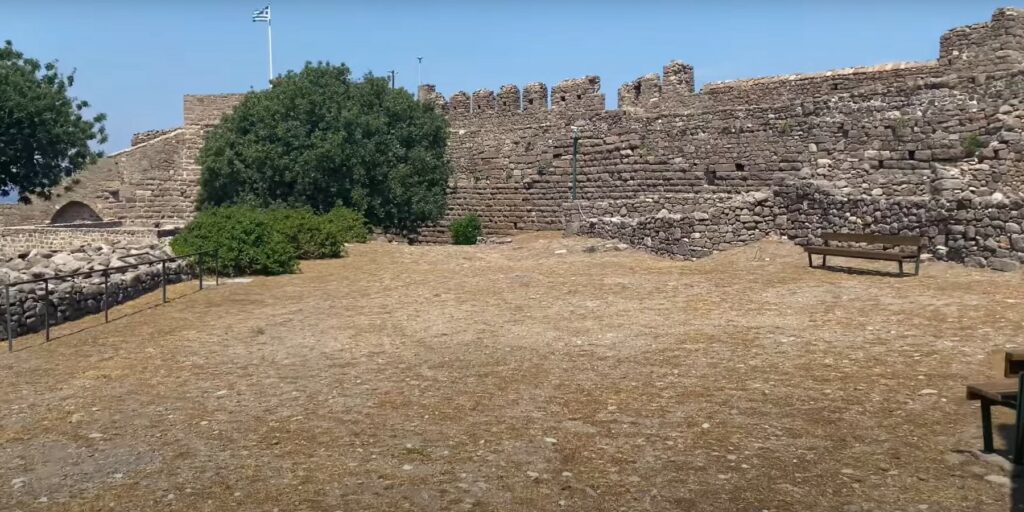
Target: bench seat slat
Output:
[(861, 253), (999, 391)]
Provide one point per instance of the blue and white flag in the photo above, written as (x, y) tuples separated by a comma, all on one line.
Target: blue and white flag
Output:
[(262, 14)]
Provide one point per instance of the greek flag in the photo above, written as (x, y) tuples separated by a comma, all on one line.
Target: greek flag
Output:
[(262, 14)]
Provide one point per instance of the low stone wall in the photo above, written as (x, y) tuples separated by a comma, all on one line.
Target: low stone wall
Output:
[(686, 226), (979, 231), (73, 298), (22, 239)]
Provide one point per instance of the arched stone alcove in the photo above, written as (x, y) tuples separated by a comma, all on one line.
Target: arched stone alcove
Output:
[(75, 211)]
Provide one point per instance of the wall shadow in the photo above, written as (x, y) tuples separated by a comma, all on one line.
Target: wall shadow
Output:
[(863, 271)]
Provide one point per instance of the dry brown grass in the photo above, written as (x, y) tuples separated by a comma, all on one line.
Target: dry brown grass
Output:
[(427, 378)]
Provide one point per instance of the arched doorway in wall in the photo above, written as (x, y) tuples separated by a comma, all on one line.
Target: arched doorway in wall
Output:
[(75, 211)]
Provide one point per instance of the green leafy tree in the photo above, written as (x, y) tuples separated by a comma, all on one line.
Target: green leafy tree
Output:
[(44, 133), (317, 138)]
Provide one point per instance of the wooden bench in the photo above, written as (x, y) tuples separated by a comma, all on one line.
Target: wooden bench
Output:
[(899, 256), (1005, 393)]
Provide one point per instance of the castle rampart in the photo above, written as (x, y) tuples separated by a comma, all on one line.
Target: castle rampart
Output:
[(888, 133)]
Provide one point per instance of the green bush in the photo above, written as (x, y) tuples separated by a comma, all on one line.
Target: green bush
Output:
[(465, 230), (349, 224), (311, 236), (252, 240), (245, 239), (972, 144)]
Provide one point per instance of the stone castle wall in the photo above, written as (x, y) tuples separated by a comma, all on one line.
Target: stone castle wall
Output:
[(143, 185), (153, 184), (883, 132)]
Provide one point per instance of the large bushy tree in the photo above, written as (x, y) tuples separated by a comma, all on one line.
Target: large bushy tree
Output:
[(318, 138), (44, 132)]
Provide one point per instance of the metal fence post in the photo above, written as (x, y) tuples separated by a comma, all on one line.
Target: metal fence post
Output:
[(163, 279), (106, 286), (7, 307), (46, 307), (200, 271)]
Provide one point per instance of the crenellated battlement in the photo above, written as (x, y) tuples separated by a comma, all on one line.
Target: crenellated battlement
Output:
[(970, 52), (575, 95), (997, 45), (651, 92)]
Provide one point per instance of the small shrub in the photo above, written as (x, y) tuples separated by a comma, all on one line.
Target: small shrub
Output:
[(245, 239), (465, 230), (972, 144), (351, 226), (310, 235)]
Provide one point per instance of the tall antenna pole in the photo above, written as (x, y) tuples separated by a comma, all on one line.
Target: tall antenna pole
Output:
[(392, 72)]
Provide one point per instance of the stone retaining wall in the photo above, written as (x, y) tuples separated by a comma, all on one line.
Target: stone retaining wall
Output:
[(686, 225), (73, 298), (977, 231)]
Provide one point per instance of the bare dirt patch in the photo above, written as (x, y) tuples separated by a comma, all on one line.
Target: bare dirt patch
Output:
[(511, 377)]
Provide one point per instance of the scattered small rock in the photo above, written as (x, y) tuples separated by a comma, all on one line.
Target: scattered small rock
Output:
[(999, 479), (995, 459)]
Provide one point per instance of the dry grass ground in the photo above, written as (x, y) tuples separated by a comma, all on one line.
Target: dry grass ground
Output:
[(510, 377)]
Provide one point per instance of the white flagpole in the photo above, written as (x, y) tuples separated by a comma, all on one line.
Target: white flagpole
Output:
[(270, 49)]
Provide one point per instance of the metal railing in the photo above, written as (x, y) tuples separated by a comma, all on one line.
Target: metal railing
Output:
[(120, 269)]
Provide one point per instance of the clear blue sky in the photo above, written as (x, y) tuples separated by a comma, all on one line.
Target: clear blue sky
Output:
[(136, 59)]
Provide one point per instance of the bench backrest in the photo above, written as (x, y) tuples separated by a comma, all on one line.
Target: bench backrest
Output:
[(916, 241)]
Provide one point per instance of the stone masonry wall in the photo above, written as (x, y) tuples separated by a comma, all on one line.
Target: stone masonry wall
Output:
[(978, 231), (148, 135), (882, 131), (33, 305), (687, 225), (143, 185), (21, 239), (154, 183)]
